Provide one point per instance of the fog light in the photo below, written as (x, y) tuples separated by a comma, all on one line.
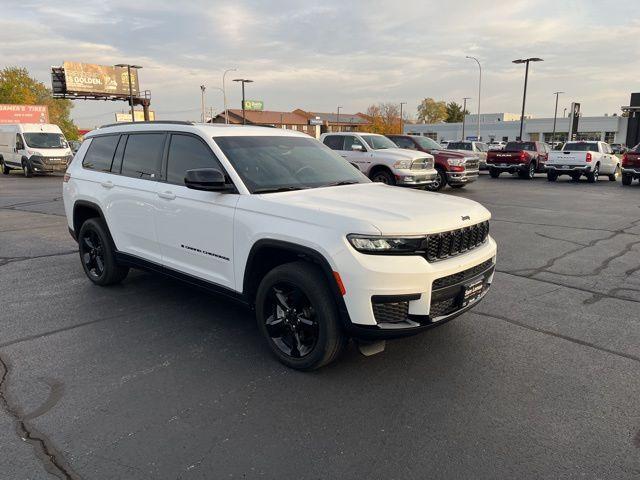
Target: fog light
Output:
[(408, 179)]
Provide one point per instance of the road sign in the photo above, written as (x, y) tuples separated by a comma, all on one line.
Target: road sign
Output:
[(257, 105)]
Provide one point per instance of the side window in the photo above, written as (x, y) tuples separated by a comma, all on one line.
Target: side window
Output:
[(350, 141), (188, 153), (334, 142), (404, 143), (100, 153), (19, 142), (143, 155)]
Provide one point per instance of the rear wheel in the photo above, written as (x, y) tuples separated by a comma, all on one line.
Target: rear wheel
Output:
[(593, 175), (626, 179), (5, 169), (552, 175), (298, 316), (530, 172), (615, 175), (97, 254), (383, 176), (439, 182), (494, 172)]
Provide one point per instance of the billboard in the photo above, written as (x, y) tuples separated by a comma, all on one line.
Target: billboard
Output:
[(574, 117), (88, 78), (137, 114), (24, 114), (257, 105)]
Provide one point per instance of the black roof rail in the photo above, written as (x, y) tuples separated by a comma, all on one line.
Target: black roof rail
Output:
[(151, 122)]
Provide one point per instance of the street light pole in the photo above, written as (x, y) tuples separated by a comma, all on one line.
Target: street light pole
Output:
[(526, 77), (243, 81), (464, 117), (555, 114), (129, 67), (202, 89), (224, 93), (401, 125), (479, 91), (338, 119)]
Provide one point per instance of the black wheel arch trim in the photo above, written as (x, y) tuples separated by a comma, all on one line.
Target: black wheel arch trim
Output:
[(94, 206)]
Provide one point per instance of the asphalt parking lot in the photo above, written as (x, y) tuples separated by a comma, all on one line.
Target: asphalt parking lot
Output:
[(153, 379)]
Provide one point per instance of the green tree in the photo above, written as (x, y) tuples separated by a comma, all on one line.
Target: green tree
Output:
[(17, 87), (455, 113), (430, 111)]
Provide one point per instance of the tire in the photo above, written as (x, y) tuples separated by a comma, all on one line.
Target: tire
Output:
[(614, 176), (494, 172), (592, 177), (5, 169), (458, 185), (529, 173), (26, 169), (97, 254), (441, 181), (626, 179), (301, 287), (552, 175), (383, 176)]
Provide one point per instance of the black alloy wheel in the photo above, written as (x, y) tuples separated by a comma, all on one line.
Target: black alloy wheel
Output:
[(92, 254), (98, 254), (291, 323)]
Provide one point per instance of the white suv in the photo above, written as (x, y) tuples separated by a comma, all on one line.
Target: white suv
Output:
[(381, 160), (280, 222)]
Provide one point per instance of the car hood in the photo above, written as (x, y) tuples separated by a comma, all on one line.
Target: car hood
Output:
[(451, 154), (372, 208), (400, 154)]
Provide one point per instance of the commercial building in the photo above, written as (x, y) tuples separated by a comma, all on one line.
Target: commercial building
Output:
[(502, 126)]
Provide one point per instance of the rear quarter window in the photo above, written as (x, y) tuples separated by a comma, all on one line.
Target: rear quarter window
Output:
[(100, 153)]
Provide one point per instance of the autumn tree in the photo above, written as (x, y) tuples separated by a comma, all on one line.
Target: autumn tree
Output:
[(455, 113), (431, 111), (17, 87), (384, 117)]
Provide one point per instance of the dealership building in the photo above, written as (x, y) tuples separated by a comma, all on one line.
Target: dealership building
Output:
[(506, 126)]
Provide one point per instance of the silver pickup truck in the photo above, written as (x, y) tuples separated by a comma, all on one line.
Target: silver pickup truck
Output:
[(589, 158)]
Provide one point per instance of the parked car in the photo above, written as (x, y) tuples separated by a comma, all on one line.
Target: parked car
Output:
[(496, 145), (33, 148), (618, 148), (277, 221), (381, 160), (444, 143), (454, 168), (523, 158), (588, 158), (480, 149), (631, 165)]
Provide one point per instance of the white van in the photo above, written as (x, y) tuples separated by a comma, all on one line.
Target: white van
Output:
[(33, 148)]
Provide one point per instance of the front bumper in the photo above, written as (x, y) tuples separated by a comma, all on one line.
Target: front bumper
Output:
[(461, 178), (412, 283), (48, 165), (415, 178)]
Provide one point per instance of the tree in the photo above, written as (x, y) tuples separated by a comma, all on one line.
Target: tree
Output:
[(430, 111), (17, 87), (455, 113), (384, 117)]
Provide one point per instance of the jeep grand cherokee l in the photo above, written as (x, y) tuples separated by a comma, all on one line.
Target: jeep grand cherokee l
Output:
[(282, 223)]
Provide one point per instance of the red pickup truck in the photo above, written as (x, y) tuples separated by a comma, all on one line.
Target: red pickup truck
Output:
[(454, 168), (631, 165), (524, 158)]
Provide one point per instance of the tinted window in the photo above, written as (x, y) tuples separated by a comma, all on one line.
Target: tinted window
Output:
[(404, 142), (142, 155), (100, 153), (188, 153), (334, 142), (350, 141), (516, 146), (459, 146)]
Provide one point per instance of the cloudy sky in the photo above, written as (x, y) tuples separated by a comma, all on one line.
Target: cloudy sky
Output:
[(317, 55)]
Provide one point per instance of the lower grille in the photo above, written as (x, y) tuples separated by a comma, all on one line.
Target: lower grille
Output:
[(390, 312), (443, 307), (461, 276)]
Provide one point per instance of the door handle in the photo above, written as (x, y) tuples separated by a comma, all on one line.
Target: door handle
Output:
[(107, 184), (167, 195)]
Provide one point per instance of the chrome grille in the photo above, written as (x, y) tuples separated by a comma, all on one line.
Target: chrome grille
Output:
[(449, 244), (471, 164), (422, 164)]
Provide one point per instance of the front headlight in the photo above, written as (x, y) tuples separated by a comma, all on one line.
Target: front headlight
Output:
[(456, 162), (402, 164), (389, 245)]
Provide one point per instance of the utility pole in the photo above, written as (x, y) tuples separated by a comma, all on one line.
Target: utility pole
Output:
[(129, 67), (526, 77), (555, 114), (464, 117), (224, 93), (338, 119), (479, 92), (243, 81), (401, 126), (202, 89)]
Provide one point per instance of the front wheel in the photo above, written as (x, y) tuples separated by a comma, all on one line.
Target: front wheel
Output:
[(615, 175), (383, 176), (26, 169), (298, 316), (593, 175), (626, 179), (552, 175), (439, 182)]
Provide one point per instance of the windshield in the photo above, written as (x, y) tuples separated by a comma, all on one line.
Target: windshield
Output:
[(459, 146), (428, 143), (286, 163), (378, 142), (45, 140), (580, 147), (530, 146)]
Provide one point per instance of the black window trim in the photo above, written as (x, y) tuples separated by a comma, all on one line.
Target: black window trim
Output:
[(144, 132), (119, 135)]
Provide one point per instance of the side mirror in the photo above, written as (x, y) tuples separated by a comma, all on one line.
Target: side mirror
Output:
[(207, 179), (357, 147)]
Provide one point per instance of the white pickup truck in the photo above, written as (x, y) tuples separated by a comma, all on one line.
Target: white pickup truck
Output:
[(588, 158)]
